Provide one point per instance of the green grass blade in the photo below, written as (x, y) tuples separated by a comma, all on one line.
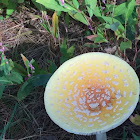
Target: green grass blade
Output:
[(8, 124)]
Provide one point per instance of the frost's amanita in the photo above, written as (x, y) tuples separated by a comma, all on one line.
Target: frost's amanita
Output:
[(92, 94)]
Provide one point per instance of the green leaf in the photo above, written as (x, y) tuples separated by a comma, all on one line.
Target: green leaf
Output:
[(4, 81), (38, 70), (108, 8), (135, 137), (66, 53), (39, 6), (28, 86), (70, 51), (91, 45), (63, 59), (5, 65), (111, 20), (125, 45), (2, 87), (76, 4), (120, 9), (100, 39), (67, 19), (19, 69), (54, 5), (91, 4), (10, 8), (114, 26), (63, 48), (79, 17), (97, 12), (5, 2), (124, 134), (20, 1), (15, 77), (52, 67), (130, 8)]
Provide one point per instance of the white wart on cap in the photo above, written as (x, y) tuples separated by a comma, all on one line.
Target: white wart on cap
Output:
[(91, 93)]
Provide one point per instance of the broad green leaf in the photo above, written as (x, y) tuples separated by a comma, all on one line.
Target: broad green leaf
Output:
[(15, 77), (135, 137), (119, 34), (52, 4), (63, 59), (97, 12), (124, 134), (76, 4), (109, 8), (69, 7), (111, 20), (55, 24), (125, 45), (59, 13), (120, 9), (79, 17), (38, 70), (130, 8), (66, 53), (63, 48), (70, 51), (5, 65), (91, 45), (4, 81), (10, 8), (39, 6), (2, 87), (91, 4), (31, 83), (100, 39), (52, 67), (20, 69), (67, 19), (5, 2), (20, 1), (114, 26), (135, 119)]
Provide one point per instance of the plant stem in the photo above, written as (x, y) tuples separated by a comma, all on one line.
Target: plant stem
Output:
[(101, 136)]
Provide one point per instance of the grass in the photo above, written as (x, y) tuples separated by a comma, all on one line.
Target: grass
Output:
[(22, 33)]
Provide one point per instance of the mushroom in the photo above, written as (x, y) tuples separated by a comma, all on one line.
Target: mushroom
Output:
[(92, 94)]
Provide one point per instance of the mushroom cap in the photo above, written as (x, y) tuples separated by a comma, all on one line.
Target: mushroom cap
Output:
[(92, 93)]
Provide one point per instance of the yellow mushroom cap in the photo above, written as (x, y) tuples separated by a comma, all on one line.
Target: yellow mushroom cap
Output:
[(92, 93)]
